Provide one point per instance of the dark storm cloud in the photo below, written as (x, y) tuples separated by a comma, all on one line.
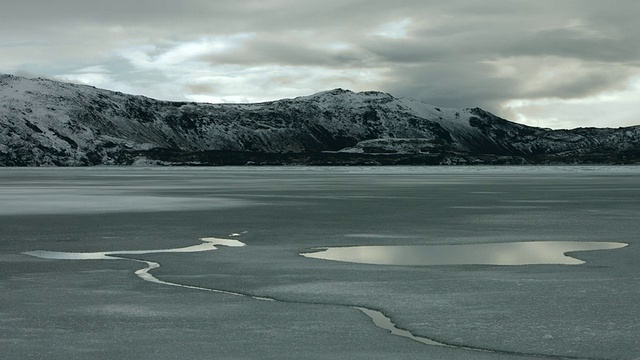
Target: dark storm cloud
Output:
[(451, 84), (450, 53), (289, 51), (575, 44)]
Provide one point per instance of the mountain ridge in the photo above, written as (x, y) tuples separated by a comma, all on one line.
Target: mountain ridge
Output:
[(49, 123)]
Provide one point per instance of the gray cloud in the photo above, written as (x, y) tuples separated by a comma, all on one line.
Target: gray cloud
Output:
[(290, 50), (451, 84), (450, 53), (577, 43)]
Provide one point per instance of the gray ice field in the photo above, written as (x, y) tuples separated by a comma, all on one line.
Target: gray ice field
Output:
[(89, 267)]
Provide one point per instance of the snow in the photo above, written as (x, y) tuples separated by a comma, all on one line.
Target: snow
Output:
[(44, 122), (444, 116)]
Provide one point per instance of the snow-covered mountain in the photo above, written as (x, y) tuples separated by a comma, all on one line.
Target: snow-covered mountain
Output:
[(43, 122)]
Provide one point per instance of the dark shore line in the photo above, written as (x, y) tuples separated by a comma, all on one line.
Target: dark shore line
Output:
[(176, 157)]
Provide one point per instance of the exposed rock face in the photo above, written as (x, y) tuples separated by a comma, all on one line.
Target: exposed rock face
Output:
[(44, 122)]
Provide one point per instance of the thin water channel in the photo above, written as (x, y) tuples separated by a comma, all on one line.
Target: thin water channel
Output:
[(493, 254)]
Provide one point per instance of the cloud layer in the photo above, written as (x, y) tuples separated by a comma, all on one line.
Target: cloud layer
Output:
[(561, 63)]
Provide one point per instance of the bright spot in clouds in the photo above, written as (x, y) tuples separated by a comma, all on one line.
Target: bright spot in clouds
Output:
[(394, 30), (152, 57), (620, 108)]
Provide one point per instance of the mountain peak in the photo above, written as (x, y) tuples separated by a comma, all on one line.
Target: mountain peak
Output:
[(343, 92), (337, 91), (345, 96)]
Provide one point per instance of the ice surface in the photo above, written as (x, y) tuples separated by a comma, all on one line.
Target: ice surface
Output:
[(74, 191), (99, 309)]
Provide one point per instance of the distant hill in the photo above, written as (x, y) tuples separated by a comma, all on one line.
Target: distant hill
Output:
[(44, 122)]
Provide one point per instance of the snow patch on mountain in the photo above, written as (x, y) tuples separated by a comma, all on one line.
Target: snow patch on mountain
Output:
[(44, 122)]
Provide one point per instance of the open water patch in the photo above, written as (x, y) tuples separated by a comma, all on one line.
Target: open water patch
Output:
[(379, 319), (511, 253), (207, 245)]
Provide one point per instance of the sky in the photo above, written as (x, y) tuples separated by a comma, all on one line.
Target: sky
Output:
[(555, 64)]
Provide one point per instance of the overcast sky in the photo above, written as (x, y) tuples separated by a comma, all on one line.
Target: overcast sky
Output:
[(550, 63)]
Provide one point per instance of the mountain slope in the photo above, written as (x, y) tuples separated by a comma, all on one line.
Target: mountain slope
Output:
[(43, 122)]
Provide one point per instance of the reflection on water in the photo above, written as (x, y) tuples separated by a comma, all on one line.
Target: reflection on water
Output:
[(384, 322), (516, 253), (208, 244), (396, 255), (379, 319), (144, 273)]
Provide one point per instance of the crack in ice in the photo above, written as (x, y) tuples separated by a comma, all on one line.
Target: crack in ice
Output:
[(379, 319)]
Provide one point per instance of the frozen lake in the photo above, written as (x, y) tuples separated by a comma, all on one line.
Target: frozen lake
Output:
[(244, 290)]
